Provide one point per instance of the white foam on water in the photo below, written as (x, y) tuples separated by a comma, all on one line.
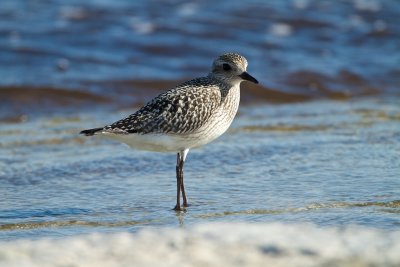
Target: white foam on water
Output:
[(216, 244), (142, 26), (368, 5), (281, 29)]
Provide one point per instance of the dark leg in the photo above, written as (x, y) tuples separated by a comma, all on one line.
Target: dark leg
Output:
[(185, 204), (178, 183)]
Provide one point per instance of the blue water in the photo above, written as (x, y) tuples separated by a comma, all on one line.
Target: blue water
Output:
[(332, 160), (326, 162), (71, 43)]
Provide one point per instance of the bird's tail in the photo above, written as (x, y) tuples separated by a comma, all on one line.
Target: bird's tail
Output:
[(91, 132)]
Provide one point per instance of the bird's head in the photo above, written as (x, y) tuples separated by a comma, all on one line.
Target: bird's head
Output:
[(231, 68)]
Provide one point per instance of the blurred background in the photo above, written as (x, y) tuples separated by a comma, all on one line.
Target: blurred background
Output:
[(60, 55), (316, 141)]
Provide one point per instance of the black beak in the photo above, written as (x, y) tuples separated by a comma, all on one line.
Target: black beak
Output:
[(248, 77)]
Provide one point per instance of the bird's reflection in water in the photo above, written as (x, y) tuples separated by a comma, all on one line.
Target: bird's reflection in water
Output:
[(180, 215)]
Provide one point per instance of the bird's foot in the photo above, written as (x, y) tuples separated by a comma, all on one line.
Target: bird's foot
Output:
[(177, 208)]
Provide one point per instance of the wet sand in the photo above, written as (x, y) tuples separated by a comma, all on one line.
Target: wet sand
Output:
[(24, 100)]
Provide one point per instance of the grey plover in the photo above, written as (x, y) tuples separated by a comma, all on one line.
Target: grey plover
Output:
[(187, 116)]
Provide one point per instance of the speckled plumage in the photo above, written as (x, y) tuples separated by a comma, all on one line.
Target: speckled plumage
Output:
[(190, 115), (187, 116), (181, 110)]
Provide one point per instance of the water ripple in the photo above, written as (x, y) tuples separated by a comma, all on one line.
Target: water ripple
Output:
[(394, 205), (68, 223)]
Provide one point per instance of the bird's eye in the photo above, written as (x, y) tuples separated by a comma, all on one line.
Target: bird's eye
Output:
[(226, 66)]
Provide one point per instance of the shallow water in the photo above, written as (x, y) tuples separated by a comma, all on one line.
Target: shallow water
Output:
[(316, 142), (326, 162)]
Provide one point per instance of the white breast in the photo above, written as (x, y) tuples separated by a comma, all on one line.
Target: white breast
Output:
[(220, 121)]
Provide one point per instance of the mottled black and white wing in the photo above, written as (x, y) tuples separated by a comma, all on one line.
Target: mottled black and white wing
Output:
[(177, 111)]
